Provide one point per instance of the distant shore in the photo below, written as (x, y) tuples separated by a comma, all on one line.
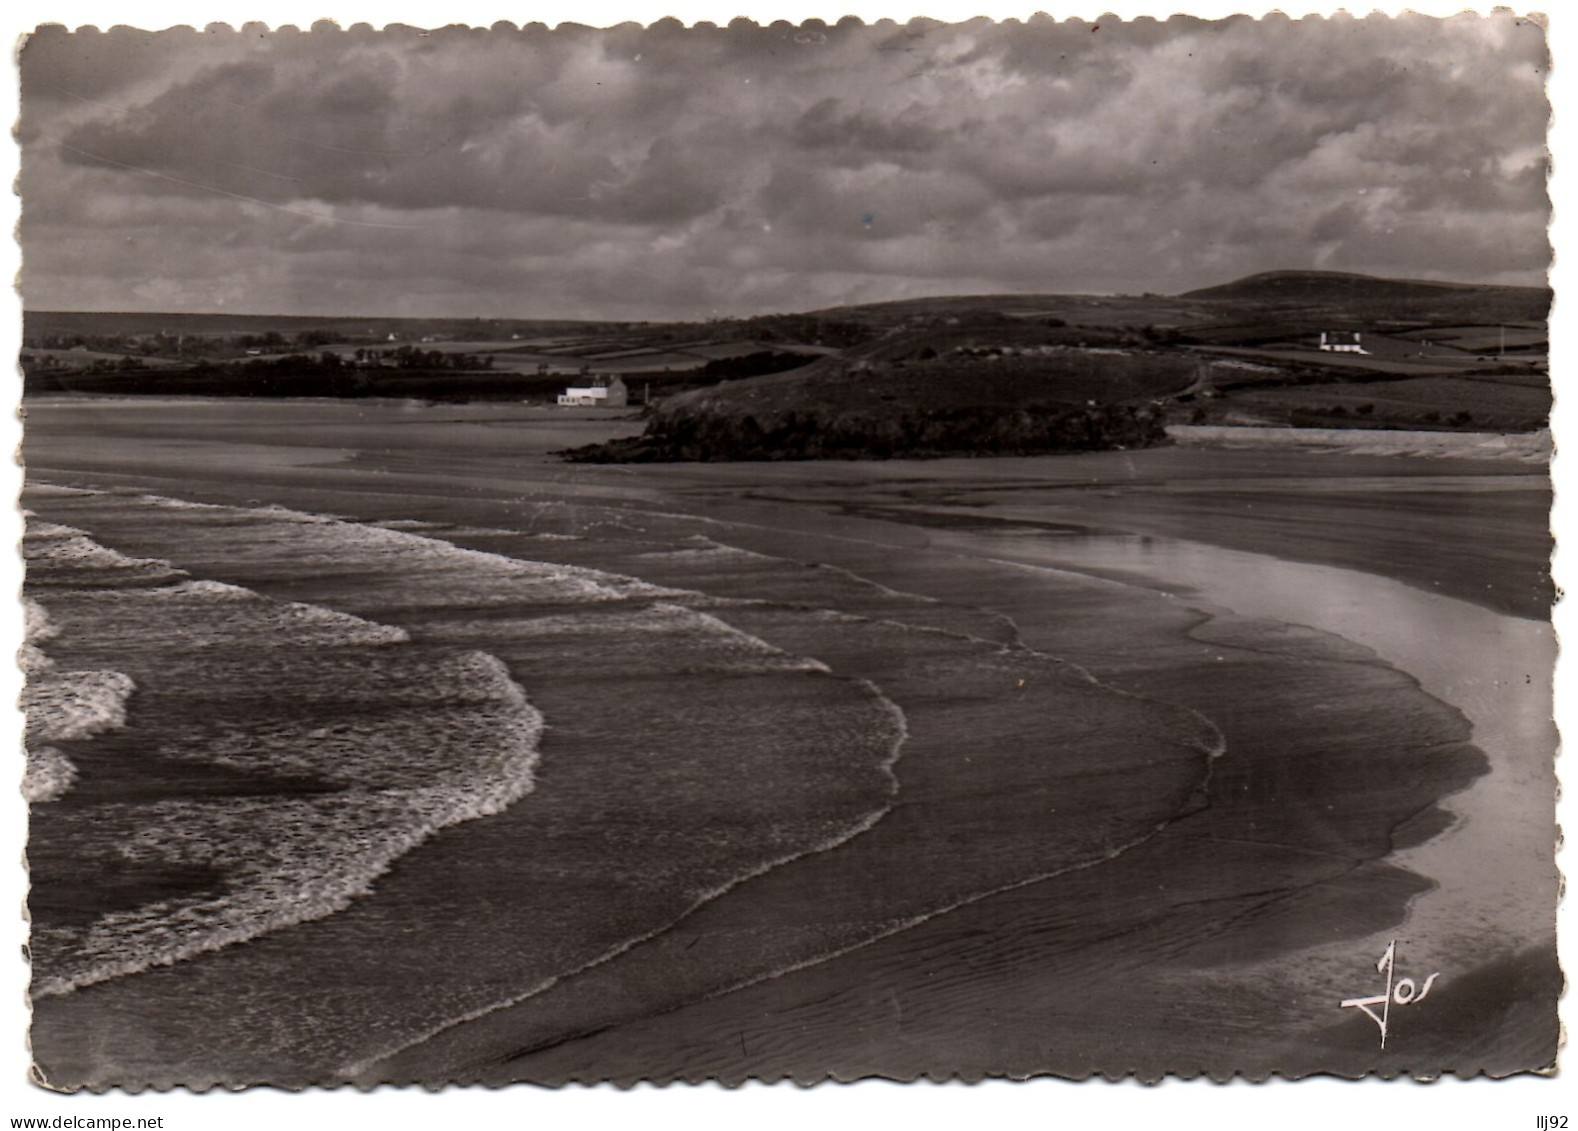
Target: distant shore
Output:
[(1521, 447)]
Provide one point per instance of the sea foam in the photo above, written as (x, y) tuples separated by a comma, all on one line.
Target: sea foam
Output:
[(791, 760), (432, 573), (54, 554), (441, 737), (687, 638), (50, 775), (64, 705), (288, 860)]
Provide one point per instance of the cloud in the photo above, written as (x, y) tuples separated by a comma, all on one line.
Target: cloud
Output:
[(673, 172)]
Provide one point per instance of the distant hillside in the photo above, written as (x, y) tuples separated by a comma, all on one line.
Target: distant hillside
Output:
[(979, 310), (40, 324), (1003, 374), (1342, 290), (1072, 400)]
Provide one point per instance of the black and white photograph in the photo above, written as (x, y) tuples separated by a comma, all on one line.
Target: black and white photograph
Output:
[(802, 550)]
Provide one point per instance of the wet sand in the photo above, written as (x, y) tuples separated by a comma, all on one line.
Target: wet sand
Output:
[(1222, 944)]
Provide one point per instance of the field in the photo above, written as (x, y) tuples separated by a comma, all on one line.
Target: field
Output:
[(914, 356), (1480, 403), (80, 357), (1065, 377), (1486, 340), (1377, 363)]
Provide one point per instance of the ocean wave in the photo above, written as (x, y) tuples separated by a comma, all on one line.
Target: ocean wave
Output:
[(61, 706), (36, 630), (285, 861), (49, 776), (439, 737), (56, 554), (288, 859), (722, 570), (698, 549), (431, 572), (55, 491), (665, 636), (627, 633), (170, 502), (199, 615), (412, 524), (64, 706), (869, 880), (898, 734), (36, 627), (474, 702), (681, 790), (421, 525)]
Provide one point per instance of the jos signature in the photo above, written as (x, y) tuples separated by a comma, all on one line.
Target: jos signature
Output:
[(1401, 991)]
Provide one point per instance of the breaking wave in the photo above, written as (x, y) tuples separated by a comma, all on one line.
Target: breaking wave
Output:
[(49, 775), (61, 706), (417, 741)]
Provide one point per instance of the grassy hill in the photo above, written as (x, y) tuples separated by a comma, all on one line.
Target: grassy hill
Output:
[(1069, 400), (952, 374), (1366, 298)]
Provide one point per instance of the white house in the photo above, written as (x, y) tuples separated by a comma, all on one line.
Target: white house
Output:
[(1341, 341), (599, 393)]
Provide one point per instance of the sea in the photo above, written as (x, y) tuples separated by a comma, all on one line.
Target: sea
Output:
[(310, 792)]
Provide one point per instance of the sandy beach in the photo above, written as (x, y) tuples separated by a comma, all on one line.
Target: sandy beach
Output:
[(1308, 733)]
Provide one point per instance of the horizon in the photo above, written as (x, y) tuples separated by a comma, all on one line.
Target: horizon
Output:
[(344, 317), (668, 173)]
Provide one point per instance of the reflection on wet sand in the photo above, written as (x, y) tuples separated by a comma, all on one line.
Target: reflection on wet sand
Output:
[(1348, 805)]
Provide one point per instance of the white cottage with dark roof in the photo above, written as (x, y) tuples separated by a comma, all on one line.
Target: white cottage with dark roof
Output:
[(599, 392)]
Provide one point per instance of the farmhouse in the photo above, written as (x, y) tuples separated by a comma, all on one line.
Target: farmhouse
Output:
[(1341, 341), (600, 393)]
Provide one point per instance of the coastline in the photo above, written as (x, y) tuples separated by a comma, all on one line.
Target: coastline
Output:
[(1270, 960), (1195, 947), (1490, 868)]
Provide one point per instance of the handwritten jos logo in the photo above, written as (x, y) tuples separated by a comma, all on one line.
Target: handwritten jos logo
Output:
[(1403, 992)]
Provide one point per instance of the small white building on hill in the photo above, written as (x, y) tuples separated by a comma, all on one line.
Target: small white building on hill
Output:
[(597, 393)]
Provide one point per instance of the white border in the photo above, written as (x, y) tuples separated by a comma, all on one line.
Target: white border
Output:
[(1278, 1105)]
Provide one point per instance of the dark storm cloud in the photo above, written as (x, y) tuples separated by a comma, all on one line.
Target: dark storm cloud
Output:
[(62, 65), (860, 137), (666, 171)]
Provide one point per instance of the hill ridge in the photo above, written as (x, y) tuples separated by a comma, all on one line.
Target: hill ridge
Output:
[(1314, 285)]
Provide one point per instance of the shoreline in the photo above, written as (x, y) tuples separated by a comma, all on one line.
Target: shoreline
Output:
[(1515, 447), (1105, 729), (499, 1033), (478, 486), (1463, 921)]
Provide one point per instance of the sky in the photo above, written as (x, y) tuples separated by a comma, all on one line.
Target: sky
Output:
[(684, 173), (194, 267)]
